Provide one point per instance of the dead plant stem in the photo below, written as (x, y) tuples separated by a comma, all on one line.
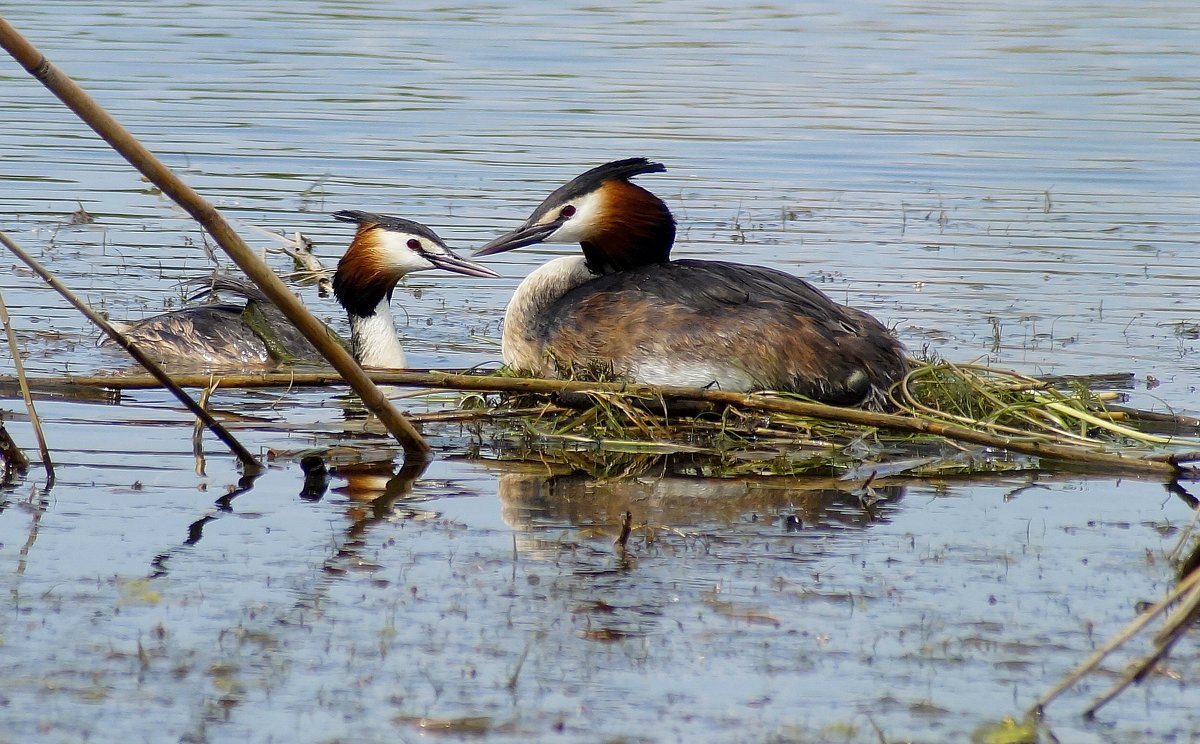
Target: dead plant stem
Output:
[(1163, 465), (1173, 627), (1120, 638), (34, 420)]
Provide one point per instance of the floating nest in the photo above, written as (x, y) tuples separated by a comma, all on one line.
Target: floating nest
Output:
[(946, 419)]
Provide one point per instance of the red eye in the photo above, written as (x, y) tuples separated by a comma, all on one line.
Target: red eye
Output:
[(414, 244), (567, 211)]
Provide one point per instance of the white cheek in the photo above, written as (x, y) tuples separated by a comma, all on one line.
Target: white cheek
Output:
[(582, 224), (399, 257), (414, 262)]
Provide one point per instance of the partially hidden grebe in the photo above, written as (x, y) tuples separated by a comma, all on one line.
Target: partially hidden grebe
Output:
[(257, 333), (626, 304)]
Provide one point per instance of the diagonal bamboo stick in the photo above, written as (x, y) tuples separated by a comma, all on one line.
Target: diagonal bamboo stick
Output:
[(153, 169)]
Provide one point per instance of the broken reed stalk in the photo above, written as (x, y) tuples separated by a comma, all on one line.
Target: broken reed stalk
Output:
[(249, 461), (1174, 626), (626, 528), (211, 220), (19, 366), (1190, 584), (11, 456), (1168, 465)]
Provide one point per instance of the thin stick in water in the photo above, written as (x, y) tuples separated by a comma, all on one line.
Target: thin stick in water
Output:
[(19, 366), (626, 528), (1129, 631), (1174, 627)]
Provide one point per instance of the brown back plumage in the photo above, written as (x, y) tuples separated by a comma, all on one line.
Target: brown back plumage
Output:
[(760, 328)]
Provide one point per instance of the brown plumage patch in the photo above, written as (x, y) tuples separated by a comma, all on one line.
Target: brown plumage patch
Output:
[(362, 280), (633, 228)]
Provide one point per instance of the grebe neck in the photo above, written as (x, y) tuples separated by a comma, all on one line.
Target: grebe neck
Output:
[(529, 304), (373, 338)]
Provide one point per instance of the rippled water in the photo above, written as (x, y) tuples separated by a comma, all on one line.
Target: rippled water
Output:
[(1015, 182)]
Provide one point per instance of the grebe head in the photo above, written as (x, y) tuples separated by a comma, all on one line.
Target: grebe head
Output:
[(384, 249), (618, 224)]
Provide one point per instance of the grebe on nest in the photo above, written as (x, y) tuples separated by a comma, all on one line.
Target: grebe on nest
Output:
[(626, 304)]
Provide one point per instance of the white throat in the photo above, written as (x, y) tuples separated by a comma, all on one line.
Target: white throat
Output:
[(374, 339), (521, 347)]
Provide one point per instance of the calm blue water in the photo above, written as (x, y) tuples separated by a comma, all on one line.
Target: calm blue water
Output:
[(1011, 182)]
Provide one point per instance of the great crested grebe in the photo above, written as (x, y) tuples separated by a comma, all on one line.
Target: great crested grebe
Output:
[(256, 332), (625, 303)]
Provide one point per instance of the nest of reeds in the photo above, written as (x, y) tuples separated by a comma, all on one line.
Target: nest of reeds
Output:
[(946, 419)]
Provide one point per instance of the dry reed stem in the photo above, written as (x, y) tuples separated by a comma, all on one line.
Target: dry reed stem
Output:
[(1188, 584), (1165, 465), (34, 420), (1184, 534), (1174, 627)]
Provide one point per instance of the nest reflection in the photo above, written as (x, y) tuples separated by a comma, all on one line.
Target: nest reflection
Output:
[(677, 496)]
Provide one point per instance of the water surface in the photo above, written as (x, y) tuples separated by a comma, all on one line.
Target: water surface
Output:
[(1014, 183)]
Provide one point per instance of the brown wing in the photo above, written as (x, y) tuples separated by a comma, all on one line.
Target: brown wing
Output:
[(776, 329)]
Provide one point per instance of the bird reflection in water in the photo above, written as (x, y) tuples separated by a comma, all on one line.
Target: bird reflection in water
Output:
[(536, 496), (372, 491)]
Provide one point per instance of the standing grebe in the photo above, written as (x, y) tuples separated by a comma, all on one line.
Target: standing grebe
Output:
[(624, 303), (257, 333)]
